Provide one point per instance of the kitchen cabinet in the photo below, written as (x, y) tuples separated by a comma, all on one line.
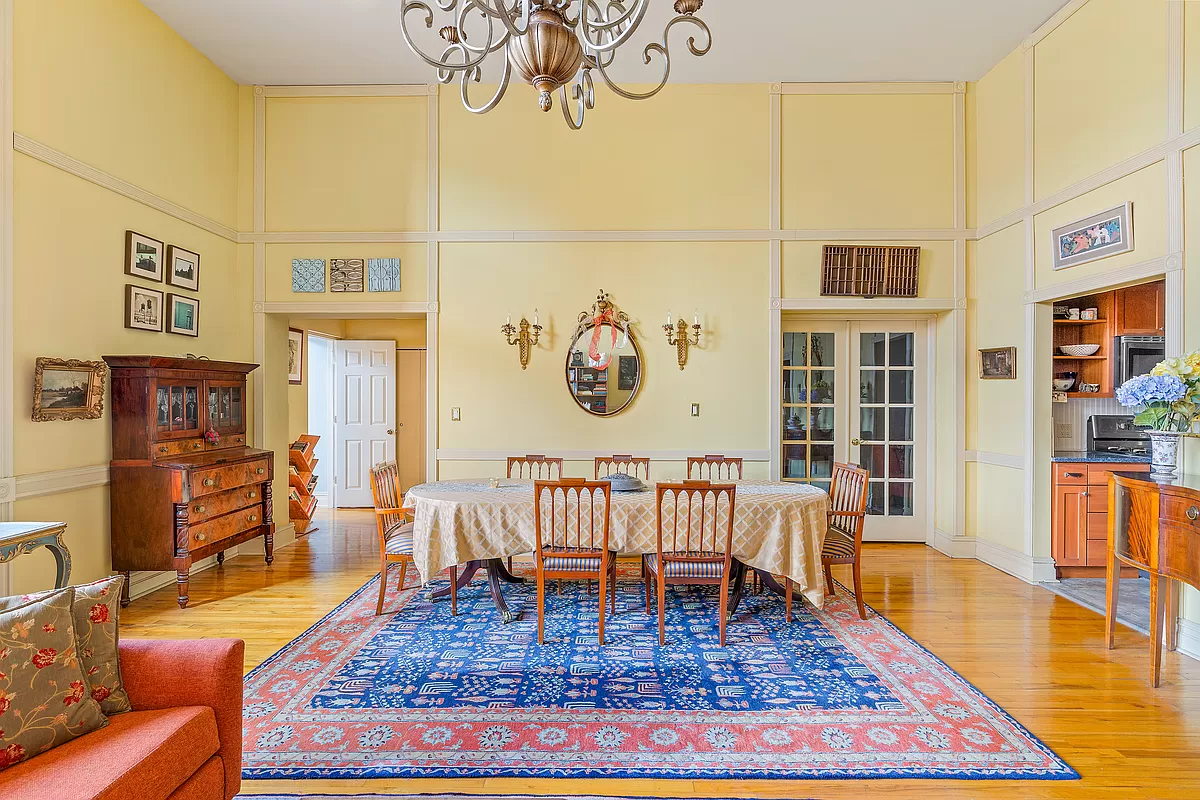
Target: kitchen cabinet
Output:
[(1079, 522), (1142, 310)]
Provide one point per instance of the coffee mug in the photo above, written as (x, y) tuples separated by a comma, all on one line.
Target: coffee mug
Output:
[(1090, 313), (1073, 313)]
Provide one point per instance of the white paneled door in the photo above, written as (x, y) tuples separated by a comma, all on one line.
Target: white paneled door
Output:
[(857, 391), (364, 417)]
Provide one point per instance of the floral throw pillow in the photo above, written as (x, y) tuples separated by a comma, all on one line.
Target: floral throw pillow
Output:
[(43, 695), (95, 617)]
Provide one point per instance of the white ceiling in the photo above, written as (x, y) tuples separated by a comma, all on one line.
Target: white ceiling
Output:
[(286, 42)]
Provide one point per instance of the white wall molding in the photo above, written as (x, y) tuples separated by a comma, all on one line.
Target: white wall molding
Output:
[(61, 480), (1187, 641), (775, 279), (1121, 169), (452, 454), (69, 164), (994, 459), (1031, 569), (918, 305), (747, 235), (896, 87), (8, 487), (346, 309), (359, 90), (1134, 273), (1051, 24), (953, 546)]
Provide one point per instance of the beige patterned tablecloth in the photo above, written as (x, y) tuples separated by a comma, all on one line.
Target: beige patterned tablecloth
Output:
[(778, 527)]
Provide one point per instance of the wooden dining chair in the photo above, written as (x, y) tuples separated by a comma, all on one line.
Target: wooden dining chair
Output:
[(626, 465), (709, 468), (843, 541), (571, 517), (693, 523), (394, 528), (534, 468)]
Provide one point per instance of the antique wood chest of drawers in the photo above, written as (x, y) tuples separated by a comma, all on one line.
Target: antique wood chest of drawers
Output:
[(184, 484)]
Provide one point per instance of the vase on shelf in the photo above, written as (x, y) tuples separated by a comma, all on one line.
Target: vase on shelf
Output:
[(1164, 454)]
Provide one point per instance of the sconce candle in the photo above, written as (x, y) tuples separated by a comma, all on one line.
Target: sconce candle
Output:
[(679, 338), (526, 338)]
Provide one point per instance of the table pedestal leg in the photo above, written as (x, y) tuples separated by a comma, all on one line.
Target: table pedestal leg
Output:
[(496, 573), (739, 584)]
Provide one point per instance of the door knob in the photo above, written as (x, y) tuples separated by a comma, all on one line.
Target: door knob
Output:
[(856, 441), (391, 432)]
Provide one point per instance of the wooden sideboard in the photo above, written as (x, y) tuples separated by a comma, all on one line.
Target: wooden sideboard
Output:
[(1155, 527), (178, 496), (1079, 530)]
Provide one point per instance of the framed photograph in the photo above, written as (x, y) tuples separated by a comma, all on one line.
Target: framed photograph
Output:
[(183, 315), (998, 363), (143, 308), (68, 389), (143, 257), (295, 356), (183, 268), (1108, 233)]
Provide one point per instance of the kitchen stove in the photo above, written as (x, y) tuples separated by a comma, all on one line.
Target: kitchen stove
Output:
[(1116, 433)]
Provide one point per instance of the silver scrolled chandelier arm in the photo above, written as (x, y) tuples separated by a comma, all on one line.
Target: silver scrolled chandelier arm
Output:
[(551, 44)]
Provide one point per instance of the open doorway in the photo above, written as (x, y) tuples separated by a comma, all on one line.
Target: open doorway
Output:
[(364, 395)]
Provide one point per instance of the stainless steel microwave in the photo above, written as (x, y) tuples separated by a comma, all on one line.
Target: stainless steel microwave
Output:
[(1136, 355)]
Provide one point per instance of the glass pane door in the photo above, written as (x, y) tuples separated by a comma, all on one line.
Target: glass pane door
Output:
[(809, 406), (888, 408)]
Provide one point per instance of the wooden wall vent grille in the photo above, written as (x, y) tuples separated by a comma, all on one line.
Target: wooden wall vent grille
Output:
[(870, 271)]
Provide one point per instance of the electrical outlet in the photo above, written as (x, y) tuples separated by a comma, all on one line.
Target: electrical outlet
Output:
[(455, 414), (695, 409), (1063, 430)]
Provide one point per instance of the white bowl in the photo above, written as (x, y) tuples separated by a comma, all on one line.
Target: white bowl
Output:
[(1079, 349), (1063, 384)]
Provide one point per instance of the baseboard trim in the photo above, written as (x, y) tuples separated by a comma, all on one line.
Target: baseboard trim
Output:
[(1188, 638), (1031, 569), (143, 583), (953, 546)]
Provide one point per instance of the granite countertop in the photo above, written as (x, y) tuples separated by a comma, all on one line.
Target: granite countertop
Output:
[(1097, 457)]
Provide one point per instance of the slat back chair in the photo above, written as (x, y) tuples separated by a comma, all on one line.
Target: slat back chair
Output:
[(571, 517), (693, 524), (627, 465), (392, 524), (535, 468), (716, 467), (843, 541)]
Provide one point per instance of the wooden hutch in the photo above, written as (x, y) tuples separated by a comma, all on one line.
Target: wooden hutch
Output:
[(184, 484)]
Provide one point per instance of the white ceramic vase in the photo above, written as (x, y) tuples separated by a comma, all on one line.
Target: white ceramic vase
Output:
[(1164, 453)]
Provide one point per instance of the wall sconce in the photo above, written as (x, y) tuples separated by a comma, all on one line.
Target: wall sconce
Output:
[(525, 341), (678, 336)]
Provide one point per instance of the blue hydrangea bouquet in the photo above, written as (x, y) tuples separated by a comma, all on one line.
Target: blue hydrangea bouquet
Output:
[(1169, 397)]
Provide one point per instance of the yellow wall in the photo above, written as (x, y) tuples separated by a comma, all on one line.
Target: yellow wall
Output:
[(1119, 49), (159, 115), (868, 161), (999, 128), (695, 158)]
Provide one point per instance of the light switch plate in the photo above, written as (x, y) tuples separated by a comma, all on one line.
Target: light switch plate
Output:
[(695, 409), (455, 414)]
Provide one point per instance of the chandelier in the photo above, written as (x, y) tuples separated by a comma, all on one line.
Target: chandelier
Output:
[(552, 44)]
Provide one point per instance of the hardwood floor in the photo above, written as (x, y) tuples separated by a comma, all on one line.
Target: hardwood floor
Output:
[(1038, 655)]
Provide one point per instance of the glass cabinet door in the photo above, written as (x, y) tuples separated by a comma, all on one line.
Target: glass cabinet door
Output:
[(177, 408), (226, 406)]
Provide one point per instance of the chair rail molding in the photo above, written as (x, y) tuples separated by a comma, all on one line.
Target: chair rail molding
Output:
[(69, 164), (36, 484)]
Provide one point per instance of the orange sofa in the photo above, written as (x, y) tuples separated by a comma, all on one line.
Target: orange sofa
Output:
[(182, 741)]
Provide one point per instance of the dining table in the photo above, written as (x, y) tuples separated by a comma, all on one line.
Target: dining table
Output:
[(778, 530)]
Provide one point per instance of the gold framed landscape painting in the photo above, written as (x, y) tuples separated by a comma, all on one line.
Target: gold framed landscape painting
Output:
[(68, 389)]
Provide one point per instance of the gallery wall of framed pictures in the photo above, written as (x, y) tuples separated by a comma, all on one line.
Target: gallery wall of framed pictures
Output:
[(152, 309)]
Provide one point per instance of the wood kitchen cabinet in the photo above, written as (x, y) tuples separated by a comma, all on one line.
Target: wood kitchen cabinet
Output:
[(1079, 525), (1142, 310)]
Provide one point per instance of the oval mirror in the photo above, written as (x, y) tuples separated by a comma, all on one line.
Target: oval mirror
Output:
[(604, 364)]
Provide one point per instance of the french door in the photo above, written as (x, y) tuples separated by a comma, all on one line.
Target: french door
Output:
[(857, 391), (364, 416)]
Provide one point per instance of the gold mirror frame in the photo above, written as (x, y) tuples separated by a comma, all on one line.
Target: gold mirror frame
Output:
[(605, 312)]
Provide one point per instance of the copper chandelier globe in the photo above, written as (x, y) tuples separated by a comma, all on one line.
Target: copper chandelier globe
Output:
[(553, 45)]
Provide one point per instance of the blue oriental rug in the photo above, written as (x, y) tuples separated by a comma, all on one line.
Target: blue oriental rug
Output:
[(419, 693)]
